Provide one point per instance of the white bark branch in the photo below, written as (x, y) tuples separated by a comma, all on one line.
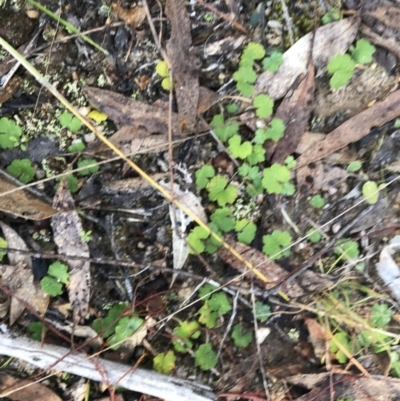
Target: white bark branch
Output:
[(140, 380)]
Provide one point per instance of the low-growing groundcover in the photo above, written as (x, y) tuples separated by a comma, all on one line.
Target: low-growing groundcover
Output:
[(252, 201)]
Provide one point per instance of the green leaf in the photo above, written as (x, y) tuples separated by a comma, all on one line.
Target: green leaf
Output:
[(59, 271), (124, 329), (317, 201), (22, 169), (219, 302), (363, 51), (76, 146), (273, 62), (224, 130), (241, 340), (51, 286), (246, 231), (223, 219), (245, 74), (75, 125), (381, 315), (107, 325), (205, 357), (164, 363), (264, 105), (205, 290), (3, 244), (244, 88), (340, 78), (65, 119), (343, 339), (370, 192), (184, 332), (195, 240), (94, 167), (166, 84), (257, 155), (72, 183), (347, 248), (274, 244), (35, 328), (332, 15), (162, 69), (239, 150), (290, 162), (274, 132), (232, 108), (253, 51), (313, 235), (207, 316), (203, 175), (354, 166), (262, 311), (274, 177), (220, 191), (10, 133), (341, 62), (246, 171)]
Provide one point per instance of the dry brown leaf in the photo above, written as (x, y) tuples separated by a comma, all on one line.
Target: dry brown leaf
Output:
[(22, 203), (223, 46), (23, 390), (330, 40), (67, 229), (295, 111), (19, 280), (309, 178), (207, 98), (132, 16), (184, 67), (307, 140), (123, 111), (353, 129), (318, 337)]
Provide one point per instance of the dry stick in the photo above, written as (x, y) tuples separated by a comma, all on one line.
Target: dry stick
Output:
[(143, 381), (224, 16)]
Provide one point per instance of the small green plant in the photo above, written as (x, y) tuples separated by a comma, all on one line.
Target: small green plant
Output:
[(76, 146), (273, 61), (106, 326), (370, 192), (57, 276), (354, 166), (344, 340), (220, 191), (200, 240), (264, 105), (332, 15), (67, 120), (276, 180), (162, 71), (164, 362), (205, 357), (238, 149), (22, 169), (203, 175), (274, 132), (342, 66), (224, 129), (91, 164), (217, 305), (262, 311), (347, 249), (10, 133), (240, 339), (184, 333), (223, 219), (36, 329), (246, 231), (86, 235), (124, 329), (3, 244), (275, 244), (317, 201), (313, 235)]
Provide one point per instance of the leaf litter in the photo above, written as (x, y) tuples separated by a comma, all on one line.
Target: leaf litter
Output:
[(142, 126)]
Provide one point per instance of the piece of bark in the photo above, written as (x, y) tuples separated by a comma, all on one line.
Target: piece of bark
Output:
[(67, 230), (185, 76), (123, 111), (138, 380), (353, 129), (295, 111)]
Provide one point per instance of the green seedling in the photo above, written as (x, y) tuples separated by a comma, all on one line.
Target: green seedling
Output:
[(239, 338), (86, 235), (264, 105), (290, 162), (262, 311), (332, 15), (57, 276), (206, 290), (354, 166), (3, 244), (238, 149), (163, 71), (370, 192), (22, 169), (125, 328), (257, 155), (214, 307), (347, 249), (76, 146), (203, 175), (184, 333), (317, 201), (345, 341), (342, 66), (276, 180), (273, 61), (10, 133), (67, 120), (205, 357), (106, 326), (381, 315), (313, 235), (274, 132), (36, 329), (232, 108), (224, 130), (72, 183), (246, 231), (91, 167), (220, 191), (223, 219), (200, 240), (275, 244), (164, 362)]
